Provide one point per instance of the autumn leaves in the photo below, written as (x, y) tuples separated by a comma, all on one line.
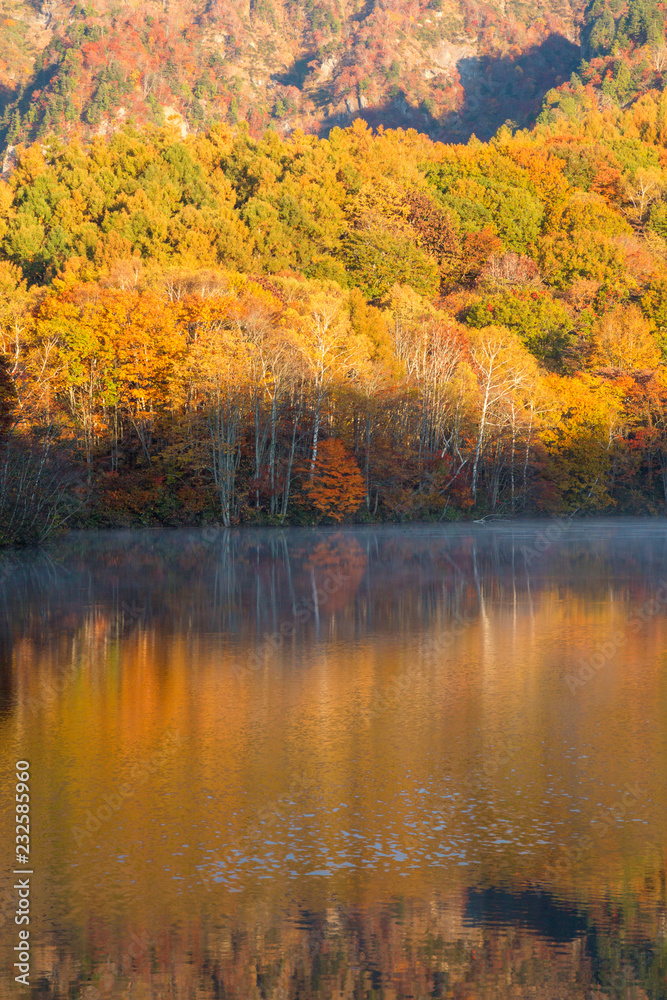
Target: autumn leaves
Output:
[(290, 400), (369, 326)]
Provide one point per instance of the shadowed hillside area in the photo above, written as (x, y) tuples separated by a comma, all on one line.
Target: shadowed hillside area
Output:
[(447, 67), (495, 90), (501, 89)]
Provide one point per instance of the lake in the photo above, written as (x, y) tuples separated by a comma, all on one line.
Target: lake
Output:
[(420, 761)]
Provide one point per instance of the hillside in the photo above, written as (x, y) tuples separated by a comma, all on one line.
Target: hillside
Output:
[(219, 328), (246, 313), (446, 67)]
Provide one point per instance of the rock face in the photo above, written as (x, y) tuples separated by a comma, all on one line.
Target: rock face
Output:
[(8, 161), (68, 69), (445, 56)]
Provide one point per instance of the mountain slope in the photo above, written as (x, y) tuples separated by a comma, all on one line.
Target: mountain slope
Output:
[(448, 67)]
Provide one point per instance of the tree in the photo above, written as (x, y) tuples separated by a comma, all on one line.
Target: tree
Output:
[(217, 369), (645, 188), (324, 340), (503, 368), (430, 346), (378, 254), (8, 397), (337, 487), (601, 33), (584, 427), (542, 323), (623, 339)]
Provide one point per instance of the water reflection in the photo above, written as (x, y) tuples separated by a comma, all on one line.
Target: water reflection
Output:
[(398, 762)]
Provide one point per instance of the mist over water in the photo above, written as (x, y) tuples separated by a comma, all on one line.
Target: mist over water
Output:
[(367, 762)]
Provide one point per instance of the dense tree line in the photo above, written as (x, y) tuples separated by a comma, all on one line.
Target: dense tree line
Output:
[(374, 325)]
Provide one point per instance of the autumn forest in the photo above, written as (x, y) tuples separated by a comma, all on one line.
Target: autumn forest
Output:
[(362, 306), (233, 326)]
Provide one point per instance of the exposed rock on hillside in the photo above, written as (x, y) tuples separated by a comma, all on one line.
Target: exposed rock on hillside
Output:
[(448, 67)]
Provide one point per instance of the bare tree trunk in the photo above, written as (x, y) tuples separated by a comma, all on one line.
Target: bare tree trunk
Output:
[(525, 463), (290, 461), (480, 437), (316, 432), (224, 427), (272, 453)]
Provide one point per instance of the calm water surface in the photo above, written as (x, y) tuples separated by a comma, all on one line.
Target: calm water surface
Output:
[(397, 762)]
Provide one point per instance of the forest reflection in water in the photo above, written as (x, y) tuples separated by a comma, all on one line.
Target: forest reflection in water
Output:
[(397, 762)]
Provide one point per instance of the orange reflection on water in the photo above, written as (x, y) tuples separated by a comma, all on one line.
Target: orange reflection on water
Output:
[(311, 763)]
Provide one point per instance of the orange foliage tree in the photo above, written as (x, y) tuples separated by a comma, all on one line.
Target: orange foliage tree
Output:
[(337, 488)]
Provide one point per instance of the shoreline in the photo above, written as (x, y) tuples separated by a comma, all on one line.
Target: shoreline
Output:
[(210, 532)]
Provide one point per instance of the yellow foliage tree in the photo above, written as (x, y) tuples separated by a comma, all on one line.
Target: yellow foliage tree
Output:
[(623, 339)]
